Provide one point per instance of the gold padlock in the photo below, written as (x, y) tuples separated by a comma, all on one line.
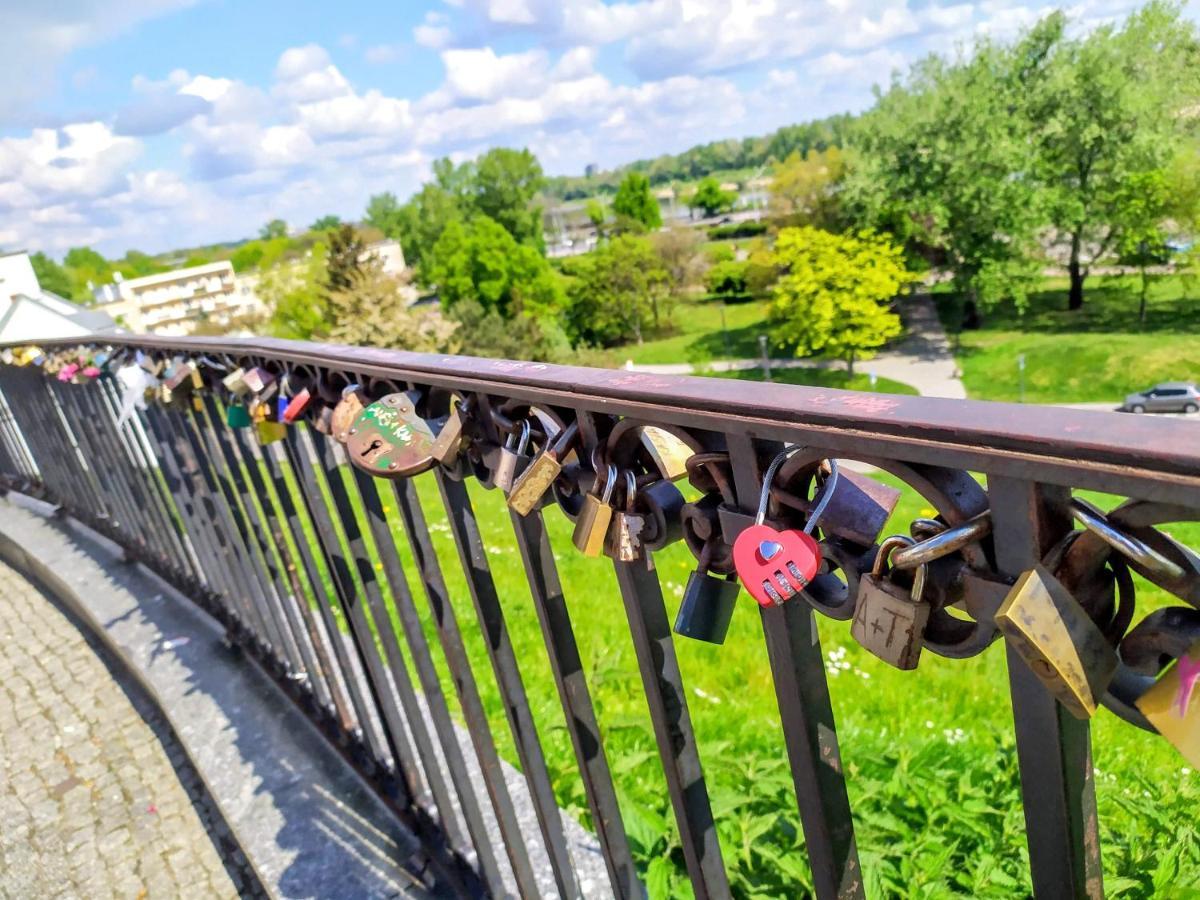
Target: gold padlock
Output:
[(1169, 707), (669, 452), (235, 382), (591, 526), (532, 484), (1058, 640), (347, 410), (889, 621), (269, 432)]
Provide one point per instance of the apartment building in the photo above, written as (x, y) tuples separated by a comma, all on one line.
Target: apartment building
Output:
[(173, 303)]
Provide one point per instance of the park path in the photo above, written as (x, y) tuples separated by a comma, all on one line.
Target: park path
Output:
[(90, 803), (922, 358)]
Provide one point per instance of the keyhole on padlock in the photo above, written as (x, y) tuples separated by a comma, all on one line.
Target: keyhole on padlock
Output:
[(374, 445)]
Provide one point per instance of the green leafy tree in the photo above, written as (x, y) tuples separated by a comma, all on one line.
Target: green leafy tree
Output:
[(325, 223), (296, 296), (384, 212), (345, 259), (503, 187), (85, 266), (1143, 237), (1108, 108), (51, 276), (616, 291), (834, 298), (635, 201), (375, 310), (135, 264), (728, 279), (678, 249), (247, 256), (805, 189), (276, 228), (596, 214), (481, 261), (422, 220), (484, 332), (710, 198)]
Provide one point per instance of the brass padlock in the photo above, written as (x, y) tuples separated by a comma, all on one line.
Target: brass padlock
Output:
[(235, 382), (1058, 640), (448, 443), (670, 453), (595, 516), (348, 409), (625, 534), (889, 621), (389, 439), (1169, 707), (270, 431), (511, 456), (708, 602), (532, 484)]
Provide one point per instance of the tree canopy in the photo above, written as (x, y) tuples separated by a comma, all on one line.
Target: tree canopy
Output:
[(635, 202), (710, 198)]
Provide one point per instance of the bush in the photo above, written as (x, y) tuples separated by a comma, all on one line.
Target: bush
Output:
[(737, 230)]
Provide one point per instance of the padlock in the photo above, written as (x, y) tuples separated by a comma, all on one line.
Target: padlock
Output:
[(270, 431), (448, 443), (322, 419), (178, 378), (532, 484), (348, 409), (595, 516), (237, 416), (1170, 706), (1052, 632), (889, 620), (295, 407), (858, 509), (259, 411), (389, 439), (625, 533), (235, 382), (257, 379), (708, 602), (512, 455), (670, 453)]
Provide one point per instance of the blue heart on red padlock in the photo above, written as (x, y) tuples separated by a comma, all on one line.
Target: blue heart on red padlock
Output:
[(775, 565)]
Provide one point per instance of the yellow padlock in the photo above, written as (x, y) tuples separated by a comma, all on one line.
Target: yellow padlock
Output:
[(269, 432), (1169, 707), (1058, 640)]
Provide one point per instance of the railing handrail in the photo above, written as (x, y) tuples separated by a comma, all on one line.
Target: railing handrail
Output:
[(1158, 459)]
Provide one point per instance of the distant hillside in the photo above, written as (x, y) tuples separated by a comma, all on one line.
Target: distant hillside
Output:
[(704, 159)]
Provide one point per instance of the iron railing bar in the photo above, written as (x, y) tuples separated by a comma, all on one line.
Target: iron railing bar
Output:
[(663, 686), (15, 440), (472, 557), (1054, 752), (578, 709)]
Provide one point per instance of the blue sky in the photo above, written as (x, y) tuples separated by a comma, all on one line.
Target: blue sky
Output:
[(155, 124)]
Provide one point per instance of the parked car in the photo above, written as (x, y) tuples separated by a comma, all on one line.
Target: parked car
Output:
[(1170, 396)]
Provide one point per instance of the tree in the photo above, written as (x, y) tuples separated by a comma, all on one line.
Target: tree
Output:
[(247, 256), (345, 259), (385, 213), (422, 220), (504, 185), (85, 266), (728, 280), (596, 214), (375, 310), (635, 202), (1107, 109), (615, 292), (483, 332), (1143, 240), (51, 276), (835, 294), (325, 223), (276, 228), (942, 162), (481, 261), (296, 297), (678, 248), (710, 198), (805, 189)]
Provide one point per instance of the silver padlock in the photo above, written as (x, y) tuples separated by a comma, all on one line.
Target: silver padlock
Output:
[(625, 533), (889, 620), (511, 455)]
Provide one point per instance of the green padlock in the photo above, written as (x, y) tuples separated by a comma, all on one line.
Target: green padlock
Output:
[(237, 416)]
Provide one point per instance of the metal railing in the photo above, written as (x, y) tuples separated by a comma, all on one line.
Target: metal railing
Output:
[(177, 450)]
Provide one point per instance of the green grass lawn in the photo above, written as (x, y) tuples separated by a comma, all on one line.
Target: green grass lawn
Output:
[(1097, 354), (929, 755), (830, 378), (697, 335)]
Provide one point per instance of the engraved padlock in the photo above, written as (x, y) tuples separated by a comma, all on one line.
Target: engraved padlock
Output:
[(595, 516), (889, 620), (512, 455), (389, 439), (531, 485), (625, 534), (348, 408), (670, 453), (708, 602), (1049, 629), (1172, 708)]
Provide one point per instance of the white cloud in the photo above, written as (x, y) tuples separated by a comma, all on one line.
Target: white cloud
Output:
[(380, 54), (433, 32), (482, 75)]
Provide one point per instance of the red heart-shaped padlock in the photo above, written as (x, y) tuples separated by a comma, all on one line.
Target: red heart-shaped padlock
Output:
[(775, 565)]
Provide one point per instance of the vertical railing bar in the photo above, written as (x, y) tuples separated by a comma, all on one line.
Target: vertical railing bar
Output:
[(1054, 751), (17, 445), (579, 711), (343, 584), (490, 617), (806, 714), (663, 684), (334, 668)]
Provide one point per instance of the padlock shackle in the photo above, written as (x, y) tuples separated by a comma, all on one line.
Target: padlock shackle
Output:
[(943, 543), (1136, 550), (821, 504)]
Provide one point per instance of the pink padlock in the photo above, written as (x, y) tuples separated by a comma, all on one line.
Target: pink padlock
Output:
[(774, 566)]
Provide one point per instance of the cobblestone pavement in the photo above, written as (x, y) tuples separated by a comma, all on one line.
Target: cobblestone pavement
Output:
[(90, 804)]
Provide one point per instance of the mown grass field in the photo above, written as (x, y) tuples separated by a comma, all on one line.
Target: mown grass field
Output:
[(929, 755), (1097, 354)]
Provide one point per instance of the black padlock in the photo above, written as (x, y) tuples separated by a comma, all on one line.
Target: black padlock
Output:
[(707, 606)]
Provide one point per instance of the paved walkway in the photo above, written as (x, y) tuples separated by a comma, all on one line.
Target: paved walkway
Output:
[(922, 359), (90, 804)]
